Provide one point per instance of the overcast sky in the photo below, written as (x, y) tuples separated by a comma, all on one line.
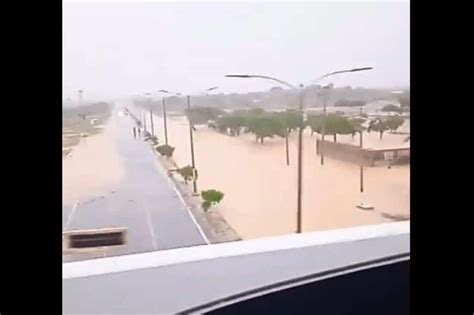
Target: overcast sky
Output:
[(115, 49)]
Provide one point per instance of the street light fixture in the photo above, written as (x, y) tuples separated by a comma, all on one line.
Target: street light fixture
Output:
[(323, 127), (300, 129)]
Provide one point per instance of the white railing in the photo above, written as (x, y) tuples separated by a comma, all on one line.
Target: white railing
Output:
[(189, 254)]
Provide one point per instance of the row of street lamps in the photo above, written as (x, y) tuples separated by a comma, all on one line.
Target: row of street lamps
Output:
[(300, 129), (191, 137)]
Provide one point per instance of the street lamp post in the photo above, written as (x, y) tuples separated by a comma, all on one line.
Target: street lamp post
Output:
[(151, 122), (191, 141), (144, 121), (144, 114), (80, 96), (164, 122), (299, 223), (323, 127), (361, 205), (151, 115), (300, 130)]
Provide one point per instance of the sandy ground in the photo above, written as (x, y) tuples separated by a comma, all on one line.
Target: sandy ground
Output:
[(260, 190), (93, 168)]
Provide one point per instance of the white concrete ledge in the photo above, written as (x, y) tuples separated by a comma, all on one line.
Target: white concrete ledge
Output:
[(189, 254)]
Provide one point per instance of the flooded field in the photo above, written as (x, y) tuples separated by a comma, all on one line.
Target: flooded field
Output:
[(260, 189)]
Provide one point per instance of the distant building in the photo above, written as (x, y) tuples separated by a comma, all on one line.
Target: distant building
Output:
[(377, 106)]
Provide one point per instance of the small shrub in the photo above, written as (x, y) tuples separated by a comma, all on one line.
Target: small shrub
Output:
[(165, 150), (186, 172), (211, 197)]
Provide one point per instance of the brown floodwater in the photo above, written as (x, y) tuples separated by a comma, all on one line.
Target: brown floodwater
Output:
[(260, 189), (94, 167)]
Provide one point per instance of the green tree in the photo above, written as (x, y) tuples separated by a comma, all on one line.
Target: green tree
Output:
[(379, 126), (357, 125), (201, 115), (315, 122), (336, 124), (266, 126), (291, 119), (233, 121), (236, 121), (211, 197), (394, 122), (391, 108), (222, 124)]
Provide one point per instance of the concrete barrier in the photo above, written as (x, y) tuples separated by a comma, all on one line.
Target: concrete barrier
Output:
[(361, 156)]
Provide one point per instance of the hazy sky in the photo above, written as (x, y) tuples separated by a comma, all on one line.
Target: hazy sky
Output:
[(131, 47)]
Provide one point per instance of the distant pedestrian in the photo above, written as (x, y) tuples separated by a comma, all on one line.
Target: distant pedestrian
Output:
[(139, 132), (134, 132)]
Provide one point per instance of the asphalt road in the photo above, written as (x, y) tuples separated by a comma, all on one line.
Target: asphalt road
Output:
[(145, 202)]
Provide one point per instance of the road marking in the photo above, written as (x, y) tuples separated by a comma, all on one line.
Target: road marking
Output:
[(71, 214), (173, 185), (150, 226), (190, 213)]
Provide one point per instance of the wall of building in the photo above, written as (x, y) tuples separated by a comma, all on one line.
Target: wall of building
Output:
[(366, 157)]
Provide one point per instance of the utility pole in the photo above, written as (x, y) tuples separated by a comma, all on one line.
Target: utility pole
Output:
[(144, 121), (164, 122), (80, 97), (300, 163), (361, 166), (361, 205), (151, 122), (323, 127), (193, 164)]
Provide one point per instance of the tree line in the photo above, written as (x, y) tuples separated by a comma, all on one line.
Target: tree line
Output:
[(280, 124)]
